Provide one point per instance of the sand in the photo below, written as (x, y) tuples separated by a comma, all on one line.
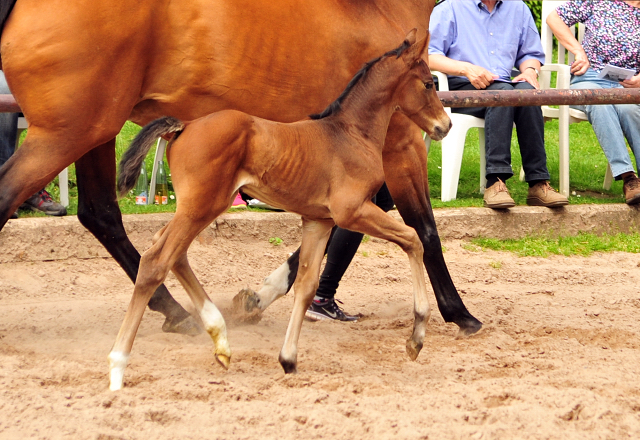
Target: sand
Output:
[(557, 358)]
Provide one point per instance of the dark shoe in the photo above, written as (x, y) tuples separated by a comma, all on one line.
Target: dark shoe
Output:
[(42, 201), (542, 194), (631, 190), (327, 309), (497, 196)]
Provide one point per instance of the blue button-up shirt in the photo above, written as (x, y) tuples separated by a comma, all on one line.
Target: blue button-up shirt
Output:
[(465, 30)]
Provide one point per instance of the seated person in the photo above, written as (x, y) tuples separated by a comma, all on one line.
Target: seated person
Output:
[(477, 43), (612, 36)]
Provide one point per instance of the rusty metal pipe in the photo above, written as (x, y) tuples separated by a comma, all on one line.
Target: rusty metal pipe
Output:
[(518, 98), (489, 98)]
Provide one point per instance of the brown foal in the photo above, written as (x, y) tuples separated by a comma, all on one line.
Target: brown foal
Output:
[(326, 169)]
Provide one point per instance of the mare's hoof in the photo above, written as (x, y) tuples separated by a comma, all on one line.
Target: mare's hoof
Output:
[(246, 308), (413, 349), (187, 326), (223, 360), (468, 328)]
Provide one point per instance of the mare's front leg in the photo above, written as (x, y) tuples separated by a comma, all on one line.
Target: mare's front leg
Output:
[(405, 169), (315, 235), (370, 219), (98, 211)]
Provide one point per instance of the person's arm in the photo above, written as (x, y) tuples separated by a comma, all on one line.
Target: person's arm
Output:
[(528, 72), (633, 83), (479, 77), (567, 39)]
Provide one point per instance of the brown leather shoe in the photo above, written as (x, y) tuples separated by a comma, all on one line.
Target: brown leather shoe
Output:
[(631, 191), (497, 196), (542, 194)]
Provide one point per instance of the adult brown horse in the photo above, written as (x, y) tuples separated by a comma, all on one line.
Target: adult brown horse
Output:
[(80, 69)]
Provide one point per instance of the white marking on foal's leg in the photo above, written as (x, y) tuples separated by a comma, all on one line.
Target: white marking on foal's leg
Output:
[(117, 364), (275, 286), (217, 329)]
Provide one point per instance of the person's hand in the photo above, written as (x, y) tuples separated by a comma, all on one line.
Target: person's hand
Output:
[(529, 75), (581, 64), (479, 77), (633, 83)]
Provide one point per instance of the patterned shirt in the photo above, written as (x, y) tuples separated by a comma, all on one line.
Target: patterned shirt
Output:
[(612, 31)]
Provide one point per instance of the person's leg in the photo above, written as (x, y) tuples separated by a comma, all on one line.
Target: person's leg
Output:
[(8, 126), (629, 115), (606, 124), (340, 252), (530, 130)]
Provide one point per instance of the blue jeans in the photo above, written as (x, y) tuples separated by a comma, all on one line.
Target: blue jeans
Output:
[(8, 127), (612, 123), (498, 126)]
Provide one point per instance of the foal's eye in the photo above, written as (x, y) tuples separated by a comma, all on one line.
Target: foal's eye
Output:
[(428, 85)]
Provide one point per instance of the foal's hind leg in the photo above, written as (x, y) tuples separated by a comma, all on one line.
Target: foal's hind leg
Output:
[(211, 316), (315, 235), (372, 220), (98, 211), (170, 245)]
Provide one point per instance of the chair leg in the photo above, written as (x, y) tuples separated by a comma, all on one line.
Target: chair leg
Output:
[(159, 156), (483, 161), (608, 177), (452, 149)]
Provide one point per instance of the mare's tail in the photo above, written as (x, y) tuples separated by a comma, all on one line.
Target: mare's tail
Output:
[(131, 160)]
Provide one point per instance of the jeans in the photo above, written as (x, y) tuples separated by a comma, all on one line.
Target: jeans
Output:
[(498, 125), (8, 127), (611, 124), (343, 247)]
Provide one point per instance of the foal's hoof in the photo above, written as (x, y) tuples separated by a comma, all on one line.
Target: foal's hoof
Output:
[(246, 308), (468, 327), (223, 360), (413, 349), (289, 367), (187, 326)]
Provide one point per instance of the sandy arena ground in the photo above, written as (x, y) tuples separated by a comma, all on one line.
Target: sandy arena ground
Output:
[(557, 359)]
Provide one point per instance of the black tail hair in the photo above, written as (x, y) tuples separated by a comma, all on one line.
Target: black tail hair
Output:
[(131, 161), (6, 6)]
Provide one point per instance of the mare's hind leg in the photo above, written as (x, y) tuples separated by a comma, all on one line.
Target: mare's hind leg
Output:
[(170, 245), (315, 235), (98, 211), (372, 220)]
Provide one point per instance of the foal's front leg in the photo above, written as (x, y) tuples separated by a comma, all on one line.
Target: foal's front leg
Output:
[(372, 220), (315, 235)]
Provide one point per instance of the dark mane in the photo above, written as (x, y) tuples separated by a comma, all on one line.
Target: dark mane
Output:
[(336, 105)]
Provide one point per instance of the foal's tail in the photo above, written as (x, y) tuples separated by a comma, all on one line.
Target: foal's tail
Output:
[(131, 160)]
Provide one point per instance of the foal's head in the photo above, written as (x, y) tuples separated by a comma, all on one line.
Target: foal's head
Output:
[(415, 93)]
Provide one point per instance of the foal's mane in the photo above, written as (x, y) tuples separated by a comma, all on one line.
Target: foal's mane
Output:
[(336, 105)]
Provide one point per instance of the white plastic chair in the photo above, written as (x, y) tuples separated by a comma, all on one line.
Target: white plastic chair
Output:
[(453, 146), (63, 177)]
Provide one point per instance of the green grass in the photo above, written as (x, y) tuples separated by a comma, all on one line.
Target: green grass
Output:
[(587, 170), (587, 166), (583, 244)]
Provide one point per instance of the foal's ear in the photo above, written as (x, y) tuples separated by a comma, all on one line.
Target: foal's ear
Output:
[(414, 53), (411, 37)]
